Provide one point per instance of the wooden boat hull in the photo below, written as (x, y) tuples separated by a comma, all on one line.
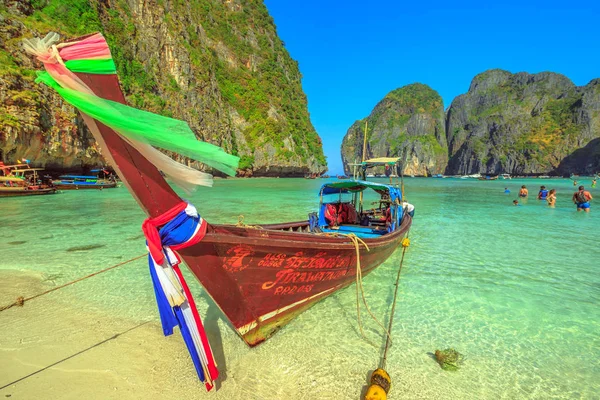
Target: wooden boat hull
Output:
[(19, 192), (260, 278), (73, 186)]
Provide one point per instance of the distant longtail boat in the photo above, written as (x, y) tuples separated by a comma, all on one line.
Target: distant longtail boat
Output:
[(21, 180), (76, 182)]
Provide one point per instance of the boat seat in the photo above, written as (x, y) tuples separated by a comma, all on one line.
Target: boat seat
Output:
[(331, 214), (350, 216), (360, 231), (340, 213)]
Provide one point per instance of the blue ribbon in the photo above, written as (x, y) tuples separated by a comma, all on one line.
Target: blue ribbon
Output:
[(179, 230)]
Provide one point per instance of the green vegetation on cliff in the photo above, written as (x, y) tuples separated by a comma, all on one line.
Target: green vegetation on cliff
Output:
[(516, 123), (417, 97), (218, 65), (408, 122), (260, 84)]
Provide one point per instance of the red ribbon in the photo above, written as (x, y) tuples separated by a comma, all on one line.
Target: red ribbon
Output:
[(212, 365), (150, 229)]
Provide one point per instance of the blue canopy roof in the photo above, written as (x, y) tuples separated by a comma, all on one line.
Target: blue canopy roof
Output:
[(350, 186), (77, 177)]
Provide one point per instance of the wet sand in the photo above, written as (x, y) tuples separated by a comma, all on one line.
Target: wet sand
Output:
[(53, 348), (73, 352)]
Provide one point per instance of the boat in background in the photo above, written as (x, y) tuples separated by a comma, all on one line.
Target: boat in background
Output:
[(487, 178), (76, 182), (22, 180), (343, 177), (505, 176), (473, 176)]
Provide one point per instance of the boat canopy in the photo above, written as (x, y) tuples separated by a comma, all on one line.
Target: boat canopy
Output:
[(77, 177), (381, 161), (353, 186), (358, 186), (28, 169), (373, 162), (11, 179)]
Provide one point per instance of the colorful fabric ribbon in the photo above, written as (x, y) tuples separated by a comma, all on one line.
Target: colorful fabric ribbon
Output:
[(146, 127), (140, 129), (181, 227)]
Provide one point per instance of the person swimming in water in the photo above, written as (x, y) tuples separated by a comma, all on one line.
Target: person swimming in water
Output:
[(582, 199), (515, 202), (594, 183), (506, 190), (523, 192), (543, 193), (574, 183), (551, 199)]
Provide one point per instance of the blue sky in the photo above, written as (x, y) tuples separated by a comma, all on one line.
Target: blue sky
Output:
[(352, 53)]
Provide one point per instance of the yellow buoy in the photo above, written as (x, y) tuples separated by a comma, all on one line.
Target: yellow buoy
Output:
[(380, 385), (375, 392)]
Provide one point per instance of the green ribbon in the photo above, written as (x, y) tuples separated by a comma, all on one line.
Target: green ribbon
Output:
[(101, 67), (159, 131)]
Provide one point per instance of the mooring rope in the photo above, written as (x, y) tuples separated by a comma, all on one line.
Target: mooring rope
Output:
[(388, 342), (359, 279), (359, 286), (20, 301), (72, 356)]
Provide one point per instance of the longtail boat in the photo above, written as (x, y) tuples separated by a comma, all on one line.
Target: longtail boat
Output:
[(76, 182), (22, 180), (261, 277)]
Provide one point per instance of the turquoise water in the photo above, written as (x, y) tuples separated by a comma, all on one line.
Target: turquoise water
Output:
[(514, 289)]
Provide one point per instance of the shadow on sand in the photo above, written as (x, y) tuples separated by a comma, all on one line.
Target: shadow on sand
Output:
[(211, 326)]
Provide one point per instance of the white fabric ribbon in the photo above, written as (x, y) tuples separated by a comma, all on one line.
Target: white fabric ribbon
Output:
[(44, 49)]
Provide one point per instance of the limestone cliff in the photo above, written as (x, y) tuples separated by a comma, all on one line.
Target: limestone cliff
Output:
[(520, 123), (407, 123), (217, 64), (506, 123)]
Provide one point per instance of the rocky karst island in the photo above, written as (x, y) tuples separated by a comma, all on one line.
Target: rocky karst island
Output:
[(521, 124)]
